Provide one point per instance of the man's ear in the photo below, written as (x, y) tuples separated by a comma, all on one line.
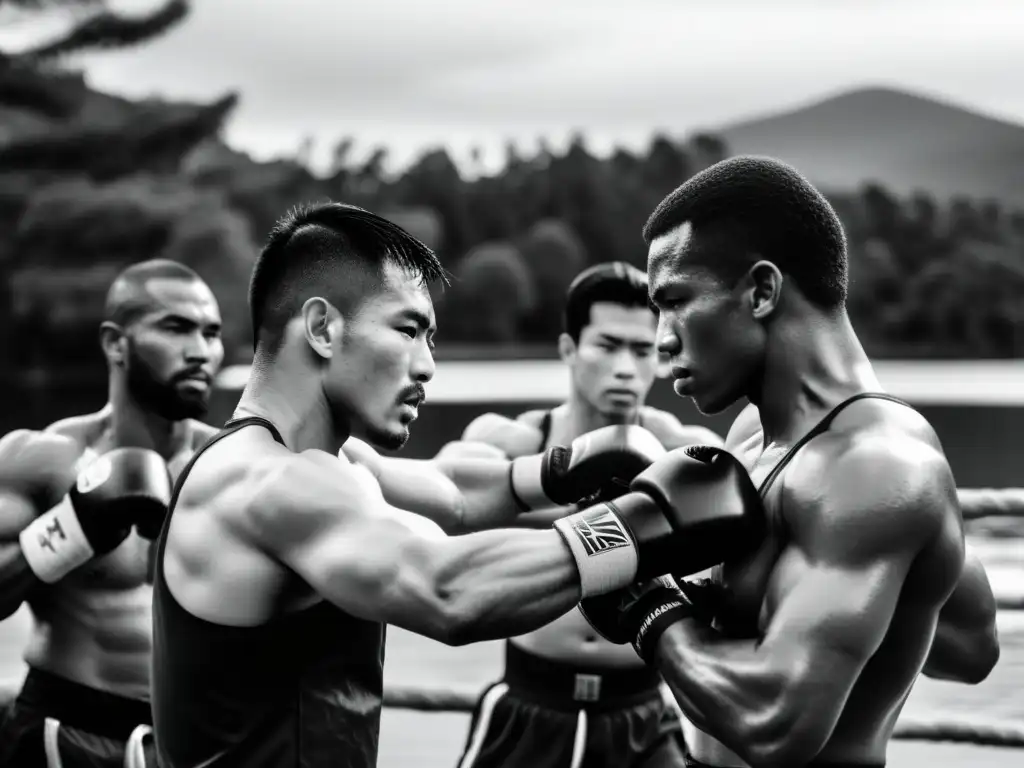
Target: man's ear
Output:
[(322, 325), (764, 290), (566, 348), (114, 343)]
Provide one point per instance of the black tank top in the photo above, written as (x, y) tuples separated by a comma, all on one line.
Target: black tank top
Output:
[(820, 428), (740, 626), (304, 689)]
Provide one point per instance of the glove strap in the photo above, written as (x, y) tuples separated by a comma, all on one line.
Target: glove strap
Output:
[(704, 594), (54, 544), (526, 480), (603, 548), (520, 504), (663, 609)]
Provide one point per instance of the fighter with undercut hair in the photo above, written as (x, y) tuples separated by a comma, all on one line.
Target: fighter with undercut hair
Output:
[(803, 650), (80, 504), (291, 542)]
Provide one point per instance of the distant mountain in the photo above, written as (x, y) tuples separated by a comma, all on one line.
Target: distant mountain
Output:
[(904, 141)]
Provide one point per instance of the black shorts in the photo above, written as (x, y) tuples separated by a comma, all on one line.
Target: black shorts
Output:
[(692, 762), (546, 714), (57, 723)]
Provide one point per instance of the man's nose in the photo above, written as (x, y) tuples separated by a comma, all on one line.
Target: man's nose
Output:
[(669, 344), (423, 366), (625, 365), (197, 349)]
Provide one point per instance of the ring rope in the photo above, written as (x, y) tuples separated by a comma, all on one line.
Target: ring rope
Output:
[(976, 503), (990, 733), (1006, 603), (986, 733)]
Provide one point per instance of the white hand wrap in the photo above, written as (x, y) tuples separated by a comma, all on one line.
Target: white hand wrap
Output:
[(54, 544), (603, 547), (526, 474)]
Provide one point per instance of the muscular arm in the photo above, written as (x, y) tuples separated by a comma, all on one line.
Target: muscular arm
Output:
[(326, 520), (33, 466), (466, 486), (16, 579), (671, 433), (966, 644), (494, 435), (777, 701), (459, 492)]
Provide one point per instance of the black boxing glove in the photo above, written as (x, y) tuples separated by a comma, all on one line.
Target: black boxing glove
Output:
[(686, 512), (117, 490), (152, 501), (710, 501), (597, 460), (637, 613), (705, 595)]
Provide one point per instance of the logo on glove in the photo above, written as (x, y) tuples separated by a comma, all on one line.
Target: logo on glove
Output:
[(601, 533)]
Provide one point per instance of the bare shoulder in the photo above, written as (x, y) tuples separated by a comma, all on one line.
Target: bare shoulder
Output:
[(533, 417), (302, 494), (85, 429), (36, 470), (745, 427), (673, 433), (201, 433), (32, 460), (213, 502), (516, 437), (877, 484)]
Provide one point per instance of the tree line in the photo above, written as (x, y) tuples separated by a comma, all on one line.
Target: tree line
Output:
[(90, 183)]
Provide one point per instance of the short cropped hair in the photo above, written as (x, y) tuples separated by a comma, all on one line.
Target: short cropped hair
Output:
[(760, 208), (333, 250), (614, 282), (127, 299)]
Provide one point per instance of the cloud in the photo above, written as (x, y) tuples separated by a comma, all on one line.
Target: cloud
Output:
[(459, 71)]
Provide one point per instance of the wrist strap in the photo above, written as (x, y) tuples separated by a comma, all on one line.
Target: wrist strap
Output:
[(54, 544), (657, 619), (520, 504), (525, 478), (602, 547)]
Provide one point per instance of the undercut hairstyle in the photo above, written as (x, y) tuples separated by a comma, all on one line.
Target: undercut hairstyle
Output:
[(127, 297), (749, 208), (332, 250), (614, 282)]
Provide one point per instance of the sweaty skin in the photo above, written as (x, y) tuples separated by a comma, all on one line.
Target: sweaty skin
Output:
[(828, 624), (569, 637), (93, 627), (259, 531)]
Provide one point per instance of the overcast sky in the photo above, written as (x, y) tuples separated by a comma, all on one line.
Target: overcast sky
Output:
[(410, 73)]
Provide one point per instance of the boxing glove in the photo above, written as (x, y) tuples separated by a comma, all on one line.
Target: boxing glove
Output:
[(638, 613), (690, 510), (119, 489), (152, 501), (709, 500), (706, 596), (600, 459)]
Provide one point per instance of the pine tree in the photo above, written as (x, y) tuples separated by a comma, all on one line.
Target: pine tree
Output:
[(53, 141), (89, 183)]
